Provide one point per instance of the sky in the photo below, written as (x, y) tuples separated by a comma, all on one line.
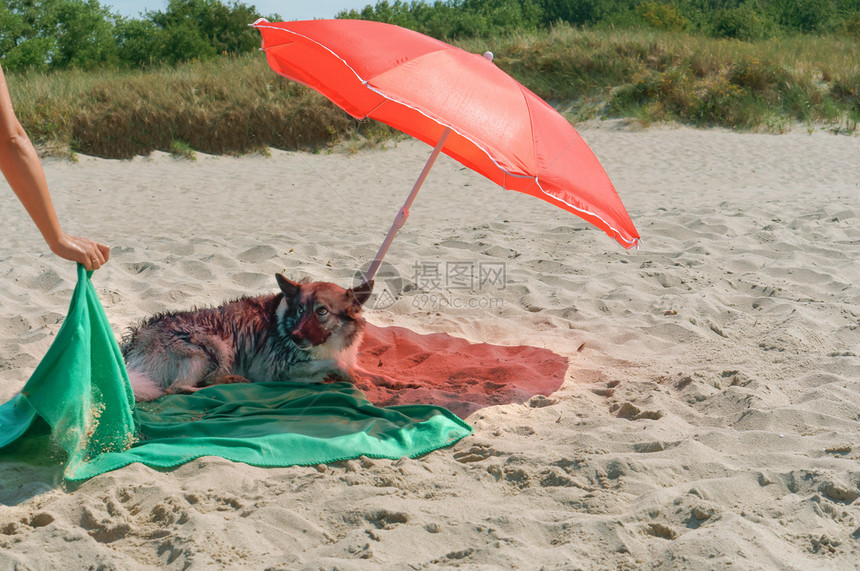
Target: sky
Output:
[(287, 9)]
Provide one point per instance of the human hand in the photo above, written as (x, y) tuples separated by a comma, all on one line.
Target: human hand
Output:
[(82, 250)]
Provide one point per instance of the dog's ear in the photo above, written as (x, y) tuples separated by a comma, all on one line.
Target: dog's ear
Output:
[(361, 293), (290, 288)]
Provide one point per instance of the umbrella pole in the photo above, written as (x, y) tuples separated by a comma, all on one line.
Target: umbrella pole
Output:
[(401, 217)]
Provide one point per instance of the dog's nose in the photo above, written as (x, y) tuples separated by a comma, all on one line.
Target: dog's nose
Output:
[(300, 341)]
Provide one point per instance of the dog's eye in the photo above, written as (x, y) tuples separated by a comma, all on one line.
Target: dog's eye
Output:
[(300, 309), (321, 311)]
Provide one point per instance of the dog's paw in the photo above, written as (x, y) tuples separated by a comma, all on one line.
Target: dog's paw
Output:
[(337, 376), (229, 379), (182, 390)]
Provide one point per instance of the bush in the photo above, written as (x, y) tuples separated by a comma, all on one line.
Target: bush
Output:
[(806, 16), (139, 42), (46, 34), (743, 23), (579, 13), (851, 27), (56, 34), (750, 73), (84, 35), (725, 104), (30, 54), (847, 91), (224, 27), (455, 18), (194, 29), (661, 16)]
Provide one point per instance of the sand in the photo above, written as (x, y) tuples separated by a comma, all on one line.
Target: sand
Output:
[(707, 412)]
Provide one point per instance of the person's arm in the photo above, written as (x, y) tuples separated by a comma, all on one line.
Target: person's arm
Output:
[(23, 171)]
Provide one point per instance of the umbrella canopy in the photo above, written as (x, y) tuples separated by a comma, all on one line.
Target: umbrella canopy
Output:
[(431, 90)]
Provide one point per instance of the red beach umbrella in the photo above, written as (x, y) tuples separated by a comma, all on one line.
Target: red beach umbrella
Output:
[(456, 101)]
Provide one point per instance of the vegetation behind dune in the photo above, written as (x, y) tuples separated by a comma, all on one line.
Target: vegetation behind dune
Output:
[(197, 81)]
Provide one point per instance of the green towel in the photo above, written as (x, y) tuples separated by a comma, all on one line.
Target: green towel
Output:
[(81, 390)]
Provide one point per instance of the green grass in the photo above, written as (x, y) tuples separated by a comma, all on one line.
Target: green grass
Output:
[(663, 76), (229, 105), (238, 105)]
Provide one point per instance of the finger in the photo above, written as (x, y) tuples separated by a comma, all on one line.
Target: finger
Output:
[(90, 259), (104, 251), (96, 254)]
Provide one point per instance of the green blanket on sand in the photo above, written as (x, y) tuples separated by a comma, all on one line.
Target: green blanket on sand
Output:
[(81, 392)]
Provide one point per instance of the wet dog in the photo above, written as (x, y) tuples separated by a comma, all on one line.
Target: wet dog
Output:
[(307, 331)]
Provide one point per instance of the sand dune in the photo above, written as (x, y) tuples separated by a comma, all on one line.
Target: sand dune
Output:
[(708, 416)]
